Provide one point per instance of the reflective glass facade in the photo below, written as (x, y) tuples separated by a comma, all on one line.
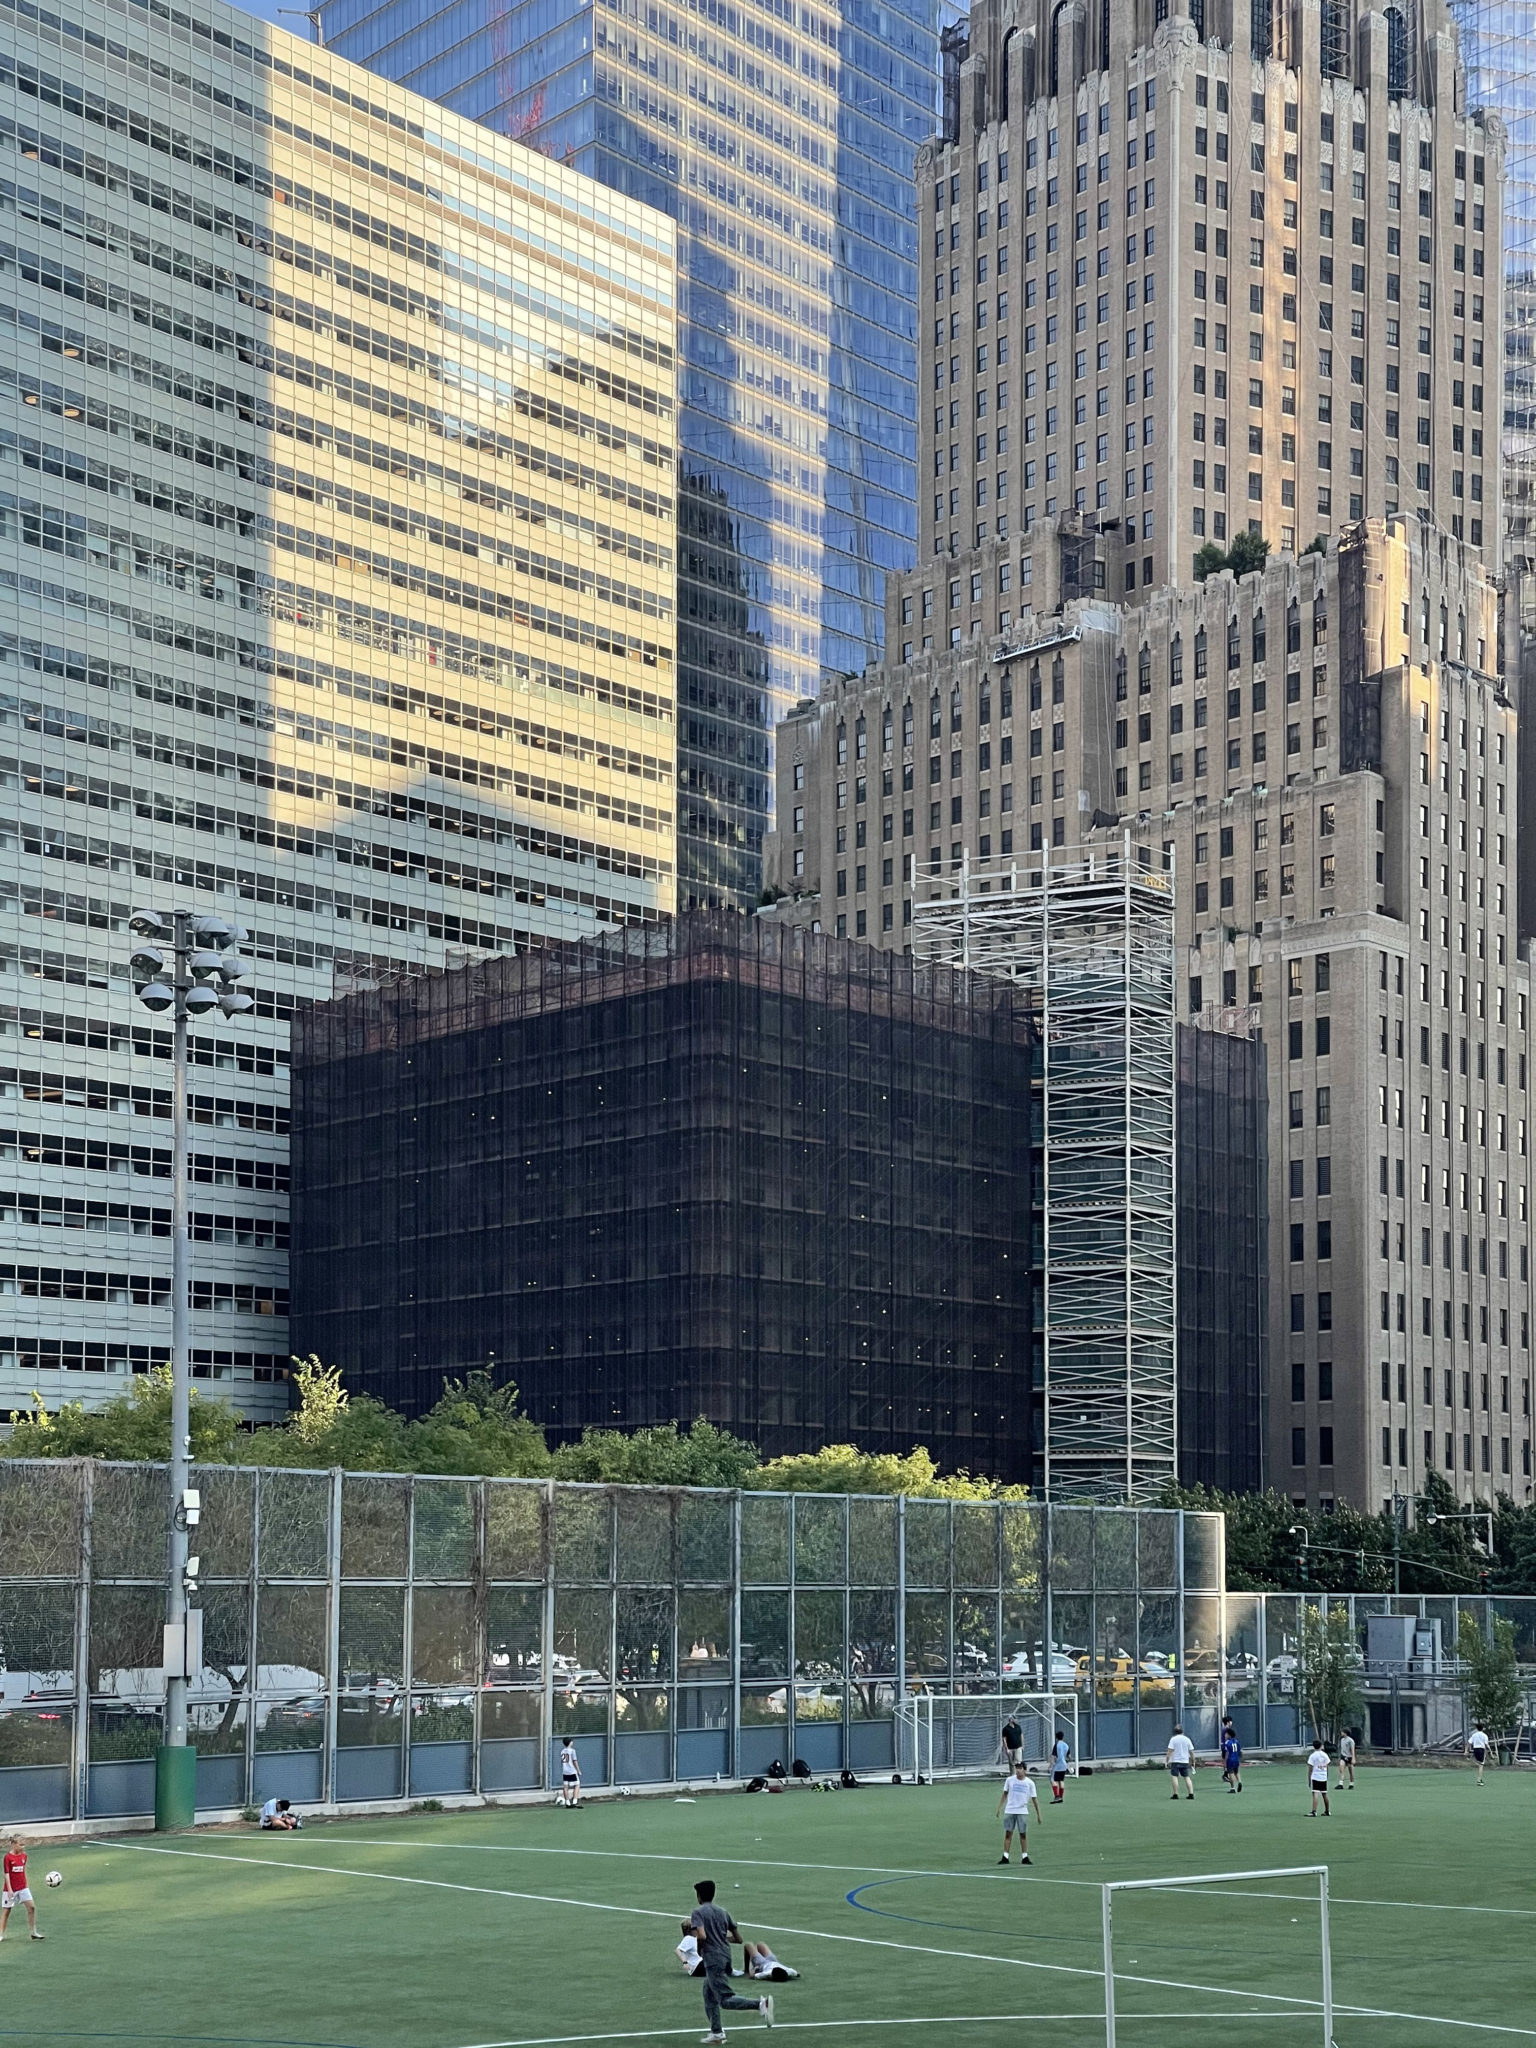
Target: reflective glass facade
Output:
[(781, 139), (1498, 46), (337, 593), (371, 1637)]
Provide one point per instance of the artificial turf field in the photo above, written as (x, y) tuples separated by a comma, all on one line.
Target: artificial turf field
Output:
[(531, 1925)]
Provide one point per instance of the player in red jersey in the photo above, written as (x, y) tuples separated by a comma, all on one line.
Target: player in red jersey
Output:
[(17, 1891)]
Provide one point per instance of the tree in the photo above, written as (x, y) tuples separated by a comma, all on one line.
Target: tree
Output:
[(1490, 1675), (842, 1468), (662, 1456), (1248, 552), (1208, 559), (1328, 1672), (137, 1424)]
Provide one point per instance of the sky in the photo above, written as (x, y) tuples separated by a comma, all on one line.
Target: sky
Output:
[(268, 10)]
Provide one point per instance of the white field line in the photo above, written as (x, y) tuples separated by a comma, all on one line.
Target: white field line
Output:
[(964, 2019), (1267, 1998), (1191, 1883)]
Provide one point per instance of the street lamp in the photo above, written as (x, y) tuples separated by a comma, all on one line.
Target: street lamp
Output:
[(183, 965), (1472, 1515)]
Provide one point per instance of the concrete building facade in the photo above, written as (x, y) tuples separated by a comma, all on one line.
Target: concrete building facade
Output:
[(337, 596), (1322, 758)]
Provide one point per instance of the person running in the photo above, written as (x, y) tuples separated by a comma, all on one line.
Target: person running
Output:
[(1017, 1796), (1317, 1778), (570, 1774), (715, 1930), (1221, 1744), (16, 1892), (1061, 1752), (1181, 1761), (1232, 1759), (1478, 1747), (1013, 1741), (1346, 1760)]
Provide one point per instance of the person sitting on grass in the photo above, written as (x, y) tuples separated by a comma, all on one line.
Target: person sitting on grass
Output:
[(277, 1813)]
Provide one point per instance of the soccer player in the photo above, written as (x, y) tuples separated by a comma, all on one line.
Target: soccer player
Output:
[(1061, 1751), (570, 1774), (1181, 1761), (1346, 1760), (1013, 1740), (17, 1892), (715, 1931), (277, 1814), (1317, 1778), (1017, 1796), (762, 1963), (1221, 1744), (1232, 1759), (1478, 1747)]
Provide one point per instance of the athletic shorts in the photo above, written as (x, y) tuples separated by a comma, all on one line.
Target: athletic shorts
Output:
[(1057, 1777), (1319, 1784), (569, 1778), (1179, 1770), (1015, 1824), (1479, 1755), (21, 1898)]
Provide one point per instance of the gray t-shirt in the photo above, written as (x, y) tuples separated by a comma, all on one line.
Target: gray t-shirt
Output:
[(714, 1927)]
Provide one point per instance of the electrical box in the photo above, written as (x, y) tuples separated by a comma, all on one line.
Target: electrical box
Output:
[(184, 1646)]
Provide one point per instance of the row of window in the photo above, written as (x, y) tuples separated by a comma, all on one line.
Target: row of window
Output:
[(1448, 1457)]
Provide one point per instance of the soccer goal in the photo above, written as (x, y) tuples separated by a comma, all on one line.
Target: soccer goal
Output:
[(1226, 1887), (961, 1734)]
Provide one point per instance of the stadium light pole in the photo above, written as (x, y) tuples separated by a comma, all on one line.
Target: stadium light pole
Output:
[(181, 965)]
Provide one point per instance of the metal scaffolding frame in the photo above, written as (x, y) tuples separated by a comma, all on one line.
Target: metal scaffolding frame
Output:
[(1089, 931)]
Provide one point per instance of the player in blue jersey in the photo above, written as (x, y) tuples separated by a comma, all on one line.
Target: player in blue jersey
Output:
[(1232, 1759)]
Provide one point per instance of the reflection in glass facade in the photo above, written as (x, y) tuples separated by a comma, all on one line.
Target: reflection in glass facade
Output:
[(337, 595), (781, 140), (372, 1636), (1498, 46)]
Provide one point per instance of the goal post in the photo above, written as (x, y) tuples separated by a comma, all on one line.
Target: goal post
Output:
[(1319, 1871), (961, 1734)]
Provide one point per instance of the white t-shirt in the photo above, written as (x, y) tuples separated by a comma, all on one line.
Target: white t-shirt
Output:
[(688, 1953), (569, 1767), (1180, 1750), (1477, 1740), (765, 1962), (1317, 1763), (1019, 1794), (269, 1813), (1346, 1748)]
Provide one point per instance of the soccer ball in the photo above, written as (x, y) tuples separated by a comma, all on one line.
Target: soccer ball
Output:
[(626, 1791), (54, 1879)]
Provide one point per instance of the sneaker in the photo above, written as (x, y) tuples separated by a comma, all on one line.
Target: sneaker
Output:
[(1175, 1795), (1023, 1860), (1002, 1859), (711, 2037), (38, 1937), (766, 2009)]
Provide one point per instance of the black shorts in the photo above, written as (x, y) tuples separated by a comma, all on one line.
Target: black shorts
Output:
[(1057, 1777), (1179, 1770)]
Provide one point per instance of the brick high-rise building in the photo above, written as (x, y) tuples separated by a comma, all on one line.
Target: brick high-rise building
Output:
[(1321, 755), (1170, 278), (1193, 269)]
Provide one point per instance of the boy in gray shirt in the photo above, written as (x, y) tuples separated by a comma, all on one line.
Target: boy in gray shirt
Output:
[(715, 1930)]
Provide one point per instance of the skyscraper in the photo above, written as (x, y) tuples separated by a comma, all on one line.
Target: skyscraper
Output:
[(781, 141), (1200, 263), (337, 596)]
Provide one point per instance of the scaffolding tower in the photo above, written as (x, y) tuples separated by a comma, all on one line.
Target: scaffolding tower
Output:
[(1089, 931)]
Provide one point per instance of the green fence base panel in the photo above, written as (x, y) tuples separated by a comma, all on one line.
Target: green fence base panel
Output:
[(175, 1787)]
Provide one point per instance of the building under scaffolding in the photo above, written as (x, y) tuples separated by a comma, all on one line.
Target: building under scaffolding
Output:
[(1089, 931)]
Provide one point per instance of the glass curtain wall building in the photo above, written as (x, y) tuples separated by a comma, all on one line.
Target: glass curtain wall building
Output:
[(781, 139), (337, 594)]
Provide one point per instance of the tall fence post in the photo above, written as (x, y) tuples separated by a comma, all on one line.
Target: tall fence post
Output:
[(80, 1752), (333, 1641)]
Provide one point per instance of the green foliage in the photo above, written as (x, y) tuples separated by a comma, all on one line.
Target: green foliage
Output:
[(1491, 1675), (137, 1424), (1317, 545), (841, 1468), (1350, 1552), (663, 1456), (1328, 1672), (1249, 551)]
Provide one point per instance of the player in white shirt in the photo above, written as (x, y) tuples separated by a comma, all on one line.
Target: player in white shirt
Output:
[(1478, 1747), (1346, 1760), (1018, 1795), (1317, 1778), (1181, 1761), (570, 1774)]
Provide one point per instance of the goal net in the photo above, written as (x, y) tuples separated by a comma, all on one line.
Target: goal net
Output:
[(961, 1734), (1162, 1933)]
